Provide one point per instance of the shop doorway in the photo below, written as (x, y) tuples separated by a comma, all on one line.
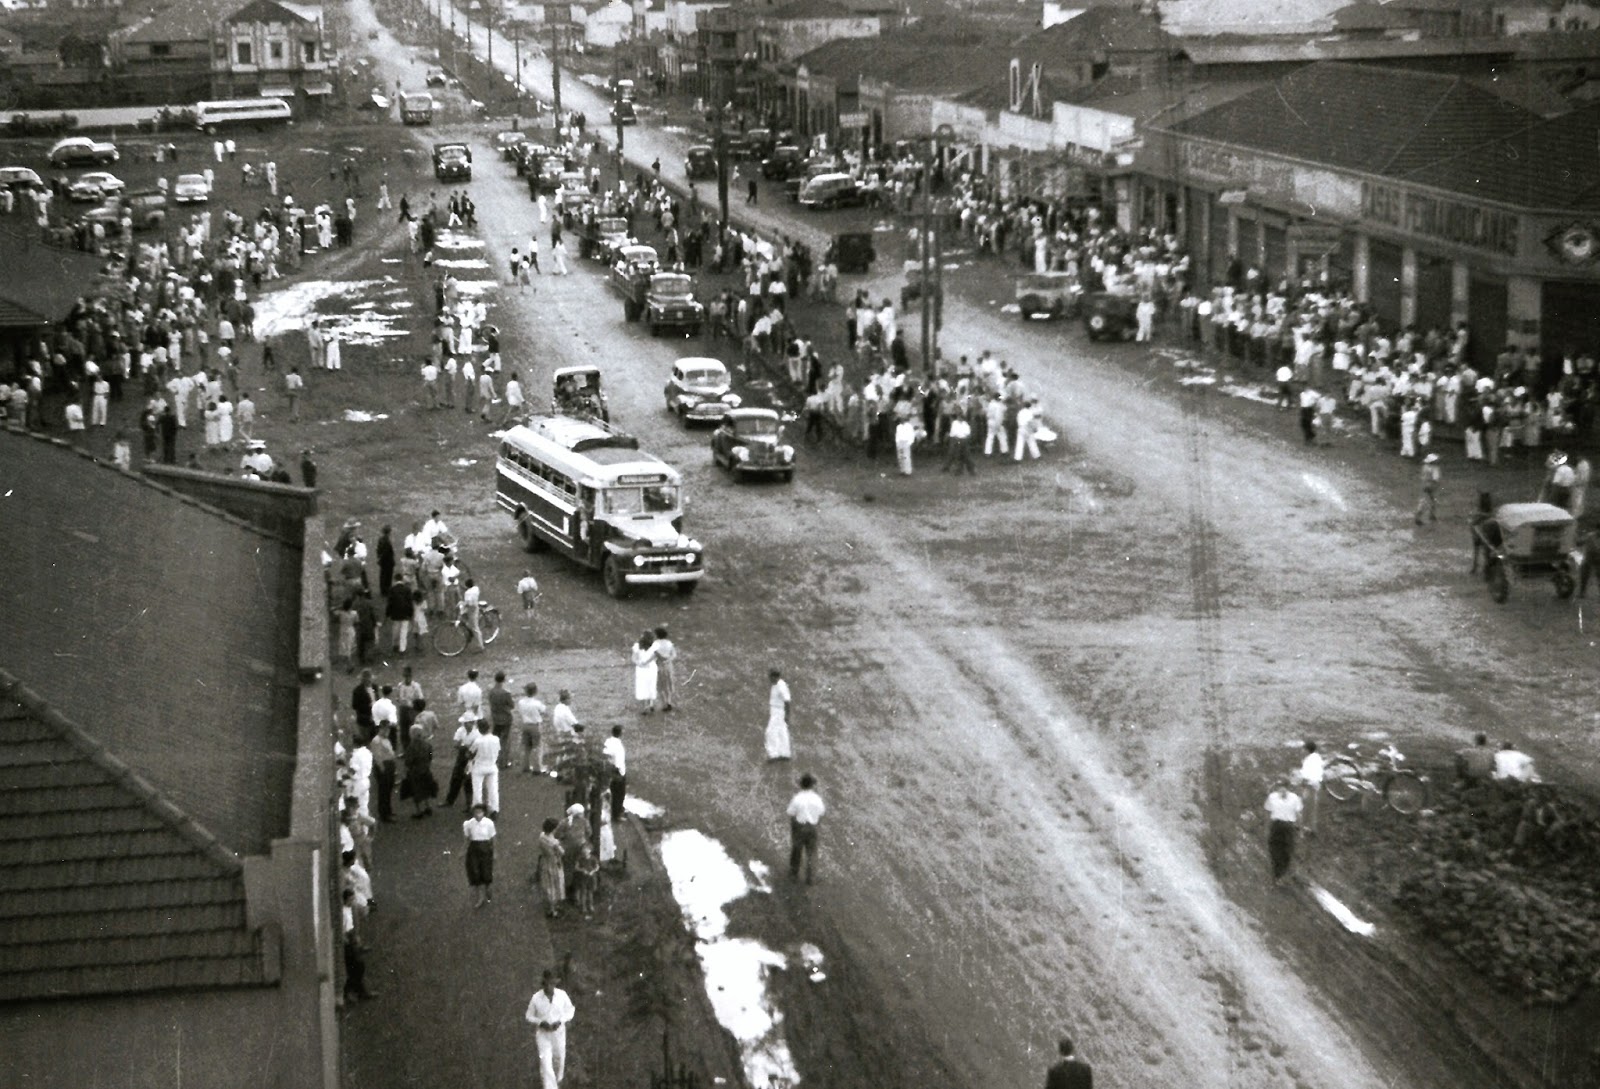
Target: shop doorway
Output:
[(1569, 318), (1487, 317)]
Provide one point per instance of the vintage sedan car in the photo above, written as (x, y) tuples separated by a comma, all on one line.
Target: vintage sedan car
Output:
[(623, 113), (145, 208), (1112, 314), (669, 303), (20, 179), (831, 191), (699, 162), (437, 78), (82, 151), (95, 186), (508, 143), (749, 442), (1048, 294), (785, 160), (191, 189), (603, 237), (700, 390), (452, 162)]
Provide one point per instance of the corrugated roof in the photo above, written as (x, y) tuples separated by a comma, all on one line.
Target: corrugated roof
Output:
[(105, 887), (182, 21), (1364, 15), (1547, 164), (166, 629), (56, 277), (1360, 117)]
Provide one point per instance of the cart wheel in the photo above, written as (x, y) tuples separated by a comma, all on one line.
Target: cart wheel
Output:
[(1499, 584), (1406, 793), (1565, 584)]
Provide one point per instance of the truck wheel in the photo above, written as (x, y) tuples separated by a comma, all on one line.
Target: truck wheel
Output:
[(531, 541), (611, 573)]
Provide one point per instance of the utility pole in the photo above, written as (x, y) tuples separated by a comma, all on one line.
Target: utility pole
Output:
[(722, 166), (488, 33), (926, 243), (555, 69)]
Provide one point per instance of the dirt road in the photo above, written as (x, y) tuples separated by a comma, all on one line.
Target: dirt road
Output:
[(1025, 694)]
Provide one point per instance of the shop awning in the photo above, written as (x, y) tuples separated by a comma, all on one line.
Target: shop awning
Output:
[(277, 92), (319, 88)]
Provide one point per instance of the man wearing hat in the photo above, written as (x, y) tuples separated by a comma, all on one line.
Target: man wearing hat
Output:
[(1558, 481), (573, 832), (1429, 478), (256, 459), (466, 732)]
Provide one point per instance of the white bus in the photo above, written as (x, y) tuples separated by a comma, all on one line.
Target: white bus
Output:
[(210, 115), (585, 489)]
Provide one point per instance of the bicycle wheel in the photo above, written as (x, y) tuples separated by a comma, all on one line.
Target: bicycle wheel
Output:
[(489, 624), (1341, 779), (1406, 792), (450, 639)]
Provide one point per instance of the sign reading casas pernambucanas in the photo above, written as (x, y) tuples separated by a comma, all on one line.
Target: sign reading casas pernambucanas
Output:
[(1459, 223)]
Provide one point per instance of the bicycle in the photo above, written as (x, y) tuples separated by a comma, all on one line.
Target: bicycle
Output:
[(1351, 773), (452, 638)]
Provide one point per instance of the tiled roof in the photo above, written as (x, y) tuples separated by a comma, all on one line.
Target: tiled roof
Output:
[(1548, 164), (105, 887), (182, 21), (56, 277), (265, 11), (165, 629), (1358, 117), (842, 60)]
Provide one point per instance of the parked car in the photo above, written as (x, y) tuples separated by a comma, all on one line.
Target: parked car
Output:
[(749, 442), (452, 162), (623, 113), (811, 168), (853, 252), (509, 142), (436, 78), (831, 191), (147, 208), (1048, 294), (546, 177), (784, 161), (1110, 314), (95, 186), (700, 390), (758, 143), (603, 237), (700, 162), (82, 151), (21, 178), (191, 189)]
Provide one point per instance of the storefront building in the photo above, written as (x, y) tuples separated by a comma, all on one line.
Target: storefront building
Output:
[(1491, 222)]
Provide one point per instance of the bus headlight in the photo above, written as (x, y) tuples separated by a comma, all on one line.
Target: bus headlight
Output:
[(692, 558), (787, 452), (638, 561)]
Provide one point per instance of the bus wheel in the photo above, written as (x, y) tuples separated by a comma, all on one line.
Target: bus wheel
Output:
[(616, 585), (531, 541)]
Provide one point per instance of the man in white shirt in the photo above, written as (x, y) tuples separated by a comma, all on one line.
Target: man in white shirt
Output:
[(1512, 765), (433, 527), (484, 766), (1283, 811), (805, 813), (471, 598), (361, 776), (386, 713), (469, 695), (1310, 777), (530, 724), (549, 1012), (617, 756)]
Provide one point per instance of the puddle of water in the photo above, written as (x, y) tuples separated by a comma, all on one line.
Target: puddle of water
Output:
[(455, 240), (467, 463), (1347, 918), (357, 416), (642, 809), (1324, 490), (286, 310), (1198, 380), (704, 880), (475, 287), (460, 262), (1248, 393)]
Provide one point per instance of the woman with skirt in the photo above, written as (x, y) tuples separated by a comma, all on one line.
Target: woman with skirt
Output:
[(551, 879), (644, 672), (478, 830), (777, 737)]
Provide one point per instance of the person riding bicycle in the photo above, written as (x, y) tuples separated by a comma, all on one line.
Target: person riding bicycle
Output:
[(471, 600)]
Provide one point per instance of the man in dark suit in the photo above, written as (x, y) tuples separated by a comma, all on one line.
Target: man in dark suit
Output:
[(1069, 1072)]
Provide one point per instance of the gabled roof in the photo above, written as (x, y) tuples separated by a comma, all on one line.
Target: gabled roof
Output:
[(1358, 117), (56, 278), (1547, 164), (165, 629), (841, 60), (181, 21), (265, 11), (105, 887)]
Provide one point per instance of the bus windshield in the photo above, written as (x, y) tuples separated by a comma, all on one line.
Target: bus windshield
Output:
[(649, 499)]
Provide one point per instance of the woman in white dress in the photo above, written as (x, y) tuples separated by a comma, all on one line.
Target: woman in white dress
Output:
[(331, 352), (213, 418), (644, 673), (778, 718), (224, 421)]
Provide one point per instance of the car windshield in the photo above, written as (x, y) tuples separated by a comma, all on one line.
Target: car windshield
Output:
[(673, 287), (705, 376), (650, 499), (756, 427), (612, 226)]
